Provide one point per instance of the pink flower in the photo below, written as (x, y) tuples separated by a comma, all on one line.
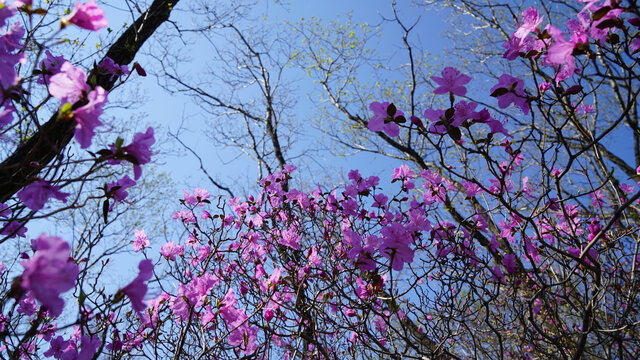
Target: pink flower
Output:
[(395, 245), (49, 272), (87, 116), (117, 190), (509, 262), (141, 241), (140, 148), (289, 238), (531, 20), (69, 84), (170, 250), (471, 189), (137, 289), (199, 195), (452, 81), (13, 229), (36, 194), (51, 65), (88, 16), (511, 90), (57, 347), (110, 67), (385, 118)]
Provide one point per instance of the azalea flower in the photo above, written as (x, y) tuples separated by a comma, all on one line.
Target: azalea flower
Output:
[(36, 194), (49, 272), (385, 118), (88, 16), (452, 81)]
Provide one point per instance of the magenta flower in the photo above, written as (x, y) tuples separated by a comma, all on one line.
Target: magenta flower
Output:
[(509, 262), (511, 90), (57, 347), (49, 272), (395, 245), (36, 194), (69, 84), (87, 116), (141, 241), (530, 21), (13, 229), (88, 16), (170, 250), (51, 66), (385, 118), (452, 81), (117, 190), (140, 148), (137, 289), (110, 67), (289, 238)]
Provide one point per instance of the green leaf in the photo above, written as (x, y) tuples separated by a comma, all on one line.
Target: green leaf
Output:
[(105, 209), (499, 92), (600, 13), (391, 110)]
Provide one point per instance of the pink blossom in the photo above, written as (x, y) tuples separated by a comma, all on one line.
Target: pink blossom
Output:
[(531, 20), (289, 238), (69, 84), (509, 262), (471, 189), (395, 245), (51, 65), (140, 148), (57, 347), (451, 81), (137, 289), (385, 118), (199, 195), (88, 16), (117, 190), (13, 229), (87, 116), (49, 272), (141, 241), (110, 67), (513, 93), (170, 250), (36, 194)]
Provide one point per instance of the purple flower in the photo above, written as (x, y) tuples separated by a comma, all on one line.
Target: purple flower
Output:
[(36, 194), (531, 20), (57, 347), (118, 191), (88, 16), (170, 250), (50, 66), (560, 54), (289, 238), (14, 229), (140, 148), (110, 67), (395, 245), (49, 272), (513, 93), (137, 289), (385, 118), (87, 116), (69, 84), (509, 262), (141, 241), (451, 81)]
